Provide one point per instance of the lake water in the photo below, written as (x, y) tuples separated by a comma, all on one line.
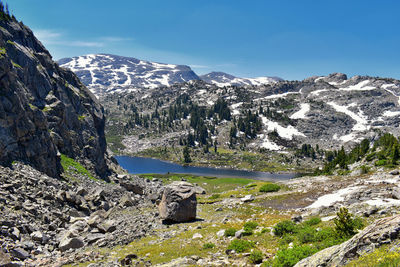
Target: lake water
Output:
[(139, 165)]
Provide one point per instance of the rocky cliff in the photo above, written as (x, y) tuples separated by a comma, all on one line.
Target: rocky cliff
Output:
[(44, 109)]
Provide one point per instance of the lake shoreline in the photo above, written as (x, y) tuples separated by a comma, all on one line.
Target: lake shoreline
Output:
[(145, 165)]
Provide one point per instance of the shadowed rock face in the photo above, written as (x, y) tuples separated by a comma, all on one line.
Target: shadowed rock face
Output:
[(44, 109), (178, 203)]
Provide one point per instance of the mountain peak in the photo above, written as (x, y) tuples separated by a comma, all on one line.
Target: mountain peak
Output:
[(104, 73)]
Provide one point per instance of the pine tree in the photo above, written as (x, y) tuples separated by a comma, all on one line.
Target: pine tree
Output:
[(186, 155), (395, 155)]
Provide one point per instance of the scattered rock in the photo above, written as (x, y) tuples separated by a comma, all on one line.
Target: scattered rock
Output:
[(239, 233), (127, 261), (199, 190), (20, 253), (247, 198), (178, 203), (297, 219), (70, 243), (197, 236), (5, 259), (395, 172), (221, 233)]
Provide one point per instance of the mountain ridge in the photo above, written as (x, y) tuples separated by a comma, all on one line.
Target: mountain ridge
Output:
[(106, 73)]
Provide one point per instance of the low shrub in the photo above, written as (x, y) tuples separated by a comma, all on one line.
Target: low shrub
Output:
[(208, 246), (290, 256), (381, 162), (230, 232), (265, 230), (312, 221), (251, 185), (364, 169), (270, 188), (256, 257), (249, 228), (286, 239), (307, 235), (284, 227), (240, 245), (370, 156), (215, 196)]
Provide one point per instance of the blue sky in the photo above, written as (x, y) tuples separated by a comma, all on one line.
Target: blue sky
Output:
[(291, 39)]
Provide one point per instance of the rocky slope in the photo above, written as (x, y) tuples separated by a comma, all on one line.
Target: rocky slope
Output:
[(45, 110), (52, 154), (330, 111)]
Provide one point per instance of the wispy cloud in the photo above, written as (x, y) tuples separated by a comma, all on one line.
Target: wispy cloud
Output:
[(54, 37), (47, 35), (115, 39), (199, 66), (82, 44), (226, 65)]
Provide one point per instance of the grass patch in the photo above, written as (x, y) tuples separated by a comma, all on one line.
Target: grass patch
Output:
[(249, 227), (256, 257), (290, 256), (212, 185), (16, 65), (3, 52), (230, 232), (46, 108), (208, 245), (240, 245), (114, 142), (71, 166), (269, 188), (381, 257)]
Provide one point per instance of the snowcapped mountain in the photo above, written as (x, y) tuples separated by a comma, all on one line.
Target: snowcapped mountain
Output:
[(103, 73), (223, 79)]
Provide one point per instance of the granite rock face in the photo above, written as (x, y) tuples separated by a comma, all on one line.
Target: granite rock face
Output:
[(383, 231), (178, 203), (44, 109)]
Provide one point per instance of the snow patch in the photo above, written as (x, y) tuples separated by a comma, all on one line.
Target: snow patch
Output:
[(360, 118), (301, 114), (389, 113), (361, 86), (330, 199), (235, 108), (284, 132)]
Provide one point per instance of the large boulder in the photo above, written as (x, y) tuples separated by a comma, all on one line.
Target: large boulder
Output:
[(178, 203), (383, 231)]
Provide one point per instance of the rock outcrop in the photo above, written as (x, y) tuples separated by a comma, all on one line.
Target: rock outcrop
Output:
[(44, 109), (383, 231), (178, 203)]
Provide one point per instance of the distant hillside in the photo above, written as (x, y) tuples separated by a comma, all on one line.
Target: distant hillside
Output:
[(224, 79)]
